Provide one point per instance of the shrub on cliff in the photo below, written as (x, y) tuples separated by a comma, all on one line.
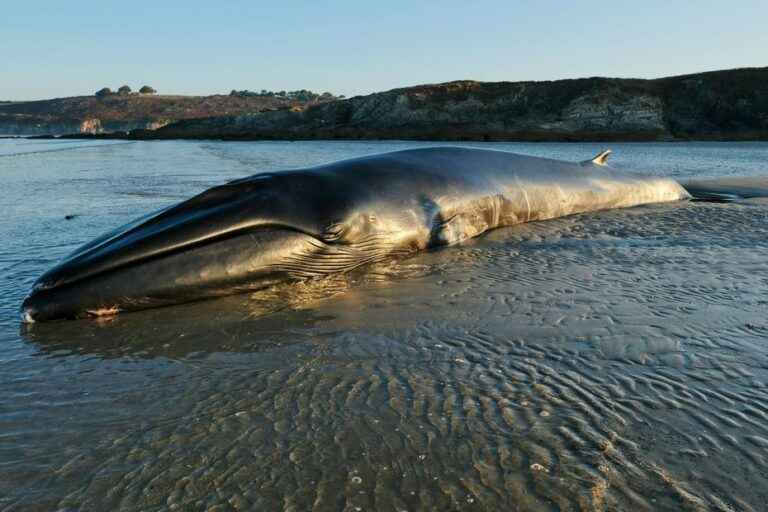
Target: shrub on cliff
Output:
[(103, 93), (302, 95), (147, 90), (124, 90)]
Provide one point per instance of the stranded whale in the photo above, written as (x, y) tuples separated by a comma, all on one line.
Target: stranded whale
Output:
[(290, 225)]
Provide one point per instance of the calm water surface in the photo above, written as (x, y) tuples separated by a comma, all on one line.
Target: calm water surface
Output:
[(609, 361)]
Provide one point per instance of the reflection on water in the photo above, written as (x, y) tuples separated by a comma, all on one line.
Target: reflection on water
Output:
[(244, 323), (610, 361)]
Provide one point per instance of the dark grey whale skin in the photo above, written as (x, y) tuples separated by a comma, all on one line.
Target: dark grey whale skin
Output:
[(269, 228)]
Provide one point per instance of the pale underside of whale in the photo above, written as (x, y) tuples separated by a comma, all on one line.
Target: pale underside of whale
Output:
[(274, 227)]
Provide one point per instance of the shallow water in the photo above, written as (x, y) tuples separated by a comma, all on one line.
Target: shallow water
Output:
[(610, 361)]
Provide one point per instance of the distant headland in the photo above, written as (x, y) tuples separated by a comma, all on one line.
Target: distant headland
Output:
[(124, 110), (717, 105)]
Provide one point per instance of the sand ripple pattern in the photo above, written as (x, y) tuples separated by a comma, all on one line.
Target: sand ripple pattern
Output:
[(611, 361)]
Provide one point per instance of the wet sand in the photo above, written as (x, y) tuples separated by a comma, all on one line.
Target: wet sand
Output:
[(609, 361)]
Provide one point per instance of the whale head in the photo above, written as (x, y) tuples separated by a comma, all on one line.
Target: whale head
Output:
[(237, 237)]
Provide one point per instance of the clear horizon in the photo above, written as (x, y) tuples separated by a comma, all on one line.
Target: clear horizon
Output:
[(345, 48)]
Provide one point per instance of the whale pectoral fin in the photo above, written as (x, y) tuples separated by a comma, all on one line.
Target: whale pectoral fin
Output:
[(601, 158)]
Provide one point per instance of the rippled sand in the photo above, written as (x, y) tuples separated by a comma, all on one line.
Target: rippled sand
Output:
[(615, 361), (612, 361)]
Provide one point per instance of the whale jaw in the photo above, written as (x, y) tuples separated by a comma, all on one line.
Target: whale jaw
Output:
[(240, 264)]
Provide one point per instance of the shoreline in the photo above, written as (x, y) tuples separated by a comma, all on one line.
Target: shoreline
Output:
[(555, 138)]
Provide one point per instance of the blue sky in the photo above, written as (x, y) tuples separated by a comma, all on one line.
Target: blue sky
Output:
[(57, 48)]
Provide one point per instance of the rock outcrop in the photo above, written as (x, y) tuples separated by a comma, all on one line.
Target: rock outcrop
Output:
[(720, 105)]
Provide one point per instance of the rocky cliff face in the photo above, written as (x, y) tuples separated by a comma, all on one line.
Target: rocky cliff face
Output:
[(32, 125), (729, 104)]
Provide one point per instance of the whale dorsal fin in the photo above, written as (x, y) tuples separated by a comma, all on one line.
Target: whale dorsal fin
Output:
[(602, 157)]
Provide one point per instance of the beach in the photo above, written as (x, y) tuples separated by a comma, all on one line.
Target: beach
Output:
[(608, 361)]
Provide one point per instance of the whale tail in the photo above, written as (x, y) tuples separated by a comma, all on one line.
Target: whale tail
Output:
[(601, 158)]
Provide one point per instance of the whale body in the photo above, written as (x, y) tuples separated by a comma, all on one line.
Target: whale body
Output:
[(273, 227)]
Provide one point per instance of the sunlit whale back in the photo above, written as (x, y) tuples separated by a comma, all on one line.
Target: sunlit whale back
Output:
[(269, 228)]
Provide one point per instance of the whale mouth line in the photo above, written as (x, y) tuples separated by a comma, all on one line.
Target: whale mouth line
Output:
[(42, 286)]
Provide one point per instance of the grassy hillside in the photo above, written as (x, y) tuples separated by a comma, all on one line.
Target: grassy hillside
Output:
[(731, 104), (718, 105)]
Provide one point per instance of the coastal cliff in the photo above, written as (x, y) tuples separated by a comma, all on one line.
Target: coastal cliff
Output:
[(122, 113), (719, 105)]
